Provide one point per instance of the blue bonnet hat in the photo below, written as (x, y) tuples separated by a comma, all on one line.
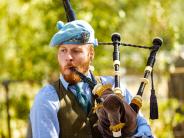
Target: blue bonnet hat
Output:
[(75, 32)]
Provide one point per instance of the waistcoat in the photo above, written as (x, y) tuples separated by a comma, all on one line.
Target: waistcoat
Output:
[(74, 122)]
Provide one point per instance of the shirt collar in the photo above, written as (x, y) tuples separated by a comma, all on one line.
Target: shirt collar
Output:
[(65, 83)]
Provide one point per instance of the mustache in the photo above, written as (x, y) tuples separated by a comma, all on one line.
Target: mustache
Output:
[(70, 66)]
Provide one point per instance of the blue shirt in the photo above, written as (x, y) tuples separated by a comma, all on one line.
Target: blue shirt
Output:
[(43, 114)]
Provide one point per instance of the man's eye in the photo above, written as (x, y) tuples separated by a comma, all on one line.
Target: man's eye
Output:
[(77, 50), (63, 50)]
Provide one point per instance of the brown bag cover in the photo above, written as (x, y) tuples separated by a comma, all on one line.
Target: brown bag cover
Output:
[(116, 110)]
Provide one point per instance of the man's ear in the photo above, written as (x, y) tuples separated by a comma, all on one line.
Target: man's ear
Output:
[(91, 52), (57, 55)]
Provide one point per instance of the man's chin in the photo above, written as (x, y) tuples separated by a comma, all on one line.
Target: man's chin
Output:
[(72, 78)]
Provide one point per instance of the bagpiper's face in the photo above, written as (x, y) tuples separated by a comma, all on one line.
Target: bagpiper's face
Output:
[(74, 56)]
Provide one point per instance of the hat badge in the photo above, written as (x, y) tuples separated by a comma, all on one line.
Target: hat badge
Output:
[(85, 37)]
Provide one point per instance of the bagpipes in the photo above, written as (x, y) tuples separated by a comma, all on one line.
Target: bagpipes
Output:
[(116, 117)]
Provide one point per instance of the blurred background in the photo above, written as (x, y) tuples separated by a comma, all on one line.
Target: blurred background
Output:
[(27, 62)]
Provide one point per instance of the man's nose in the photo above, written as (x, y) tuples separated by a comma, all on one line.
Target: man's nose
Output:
[(69, 57)]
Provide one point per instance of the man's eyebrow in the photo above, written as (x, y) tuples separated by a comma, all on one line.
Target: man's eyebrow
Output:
[(62, 47), (77, 48)]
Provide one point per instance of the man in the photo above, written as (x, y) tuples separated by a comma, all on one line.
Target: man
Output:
[(64, 109)]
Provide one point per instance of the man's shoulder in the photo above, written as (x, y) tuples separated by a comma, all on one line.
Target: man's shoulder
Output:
[(47, 94), (110, 79), (107, 79), (46, 103)]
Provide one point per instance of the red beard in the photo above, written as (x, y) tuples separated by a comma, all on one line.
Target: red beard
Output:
[(72, 77)]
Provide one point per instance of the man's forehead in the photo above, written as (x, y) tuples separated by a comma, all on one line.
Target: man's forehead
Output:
[(74, 46)]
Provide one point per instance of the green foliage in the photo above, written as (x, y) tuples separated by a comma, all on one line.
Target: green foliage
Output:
[(25, 48), (168, 118), (20, 100), (21, 106)]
